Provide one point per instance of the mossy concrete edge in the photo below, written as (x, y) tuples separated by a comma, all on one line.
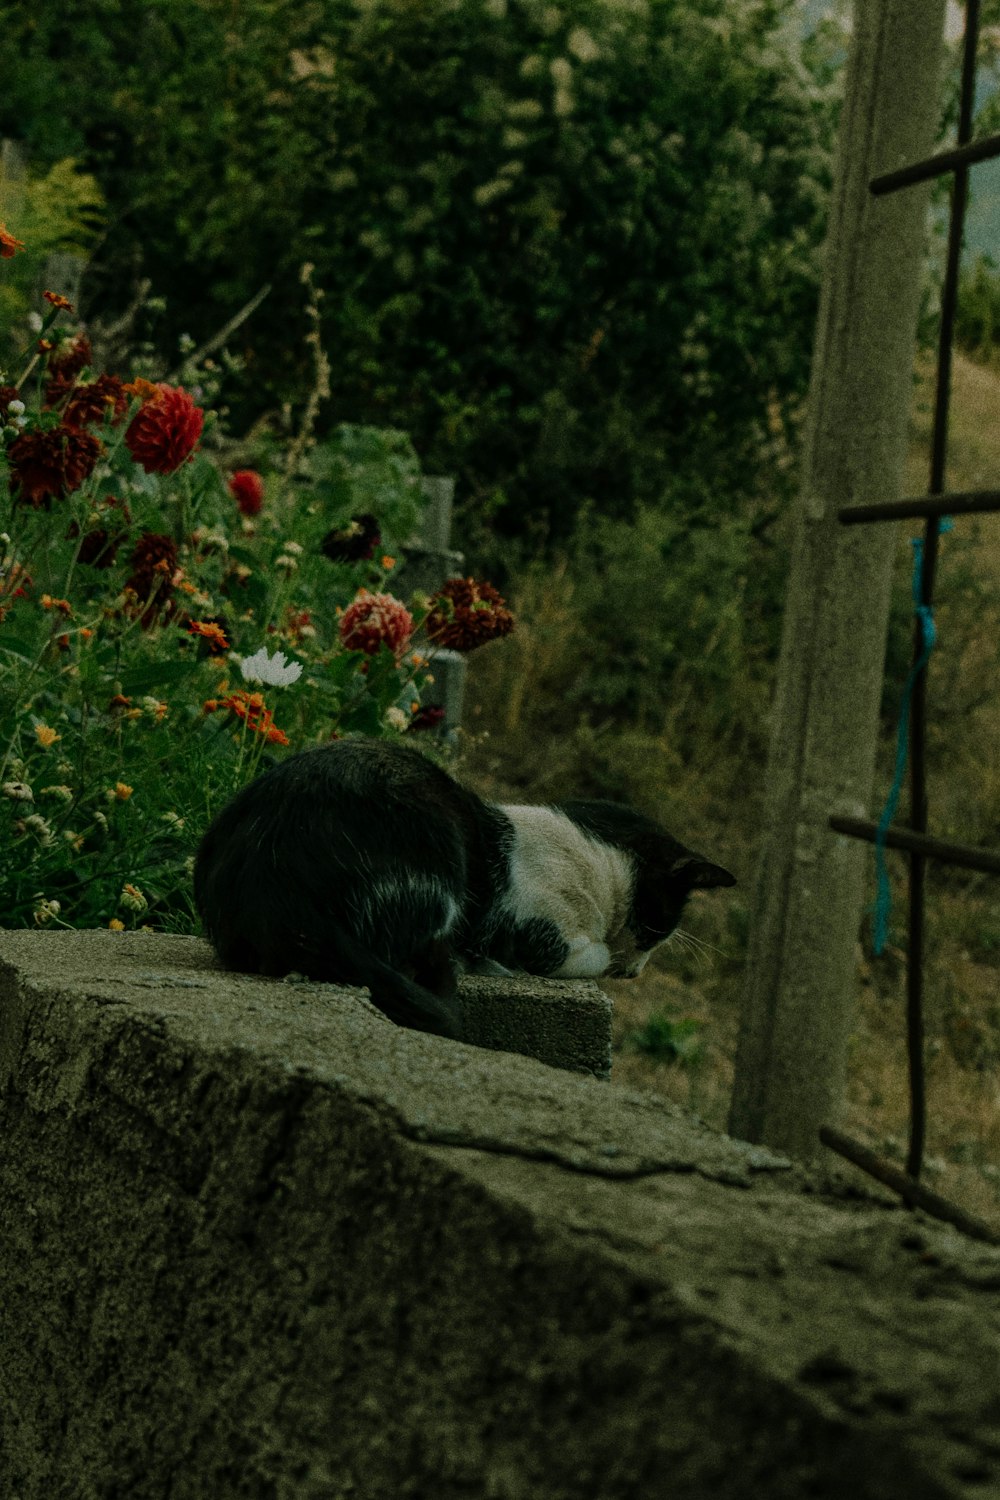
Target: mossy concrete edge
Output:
[(259, 1242)]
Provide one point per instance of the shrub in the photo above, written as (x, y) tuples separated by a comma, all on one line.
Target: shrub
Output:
[(569, 244)]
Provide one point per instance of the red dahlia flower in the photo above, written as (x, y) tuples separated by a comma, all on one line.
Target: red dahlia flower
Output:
[(373, 619), (247, 489), (466, 613), (45, 465), (166, 429)]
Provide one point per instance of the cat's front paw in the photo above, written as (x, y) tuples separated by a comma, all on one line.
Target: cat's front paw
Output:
[(585, 959)]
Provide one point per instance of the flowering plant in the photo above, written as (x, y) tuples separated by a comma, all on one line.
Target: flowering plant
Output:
[(169, 623)]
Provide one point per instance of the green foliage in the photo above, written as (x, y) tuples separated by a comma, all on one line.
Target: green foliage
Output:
[(57, 211), (977, 321), (666, 1039), (123, 725), (568, 245)]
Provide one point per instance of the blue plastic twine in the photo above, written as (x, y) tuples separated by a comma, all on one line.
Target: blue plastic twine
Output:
[(923, 612)]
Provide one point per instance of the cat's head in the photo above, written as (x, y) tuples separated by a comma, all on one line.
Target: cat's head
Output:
[(665, 872)]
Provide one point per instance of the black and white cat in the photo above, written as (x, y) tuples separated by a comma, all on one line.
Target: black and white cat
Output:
[(364, 863)]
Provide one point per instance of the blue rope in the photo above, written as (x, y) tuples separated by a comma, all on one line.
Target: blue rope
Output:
[(923, 612)]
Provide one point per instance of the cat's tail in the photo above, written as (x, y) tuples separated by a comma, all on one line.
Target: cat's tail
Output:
[(403, 1000)]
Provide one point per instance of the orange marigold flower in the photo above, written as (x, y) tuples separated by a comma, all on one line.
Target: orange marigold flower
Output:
[(249, 708), (116, 925), (122, 791), (165, 430), (46, 465), (388, 563), (85, 633), (210, 631), (376, 619), (58, 301), (119, 701), (45, 735), (61, 604), (466, 613), (9, 246)]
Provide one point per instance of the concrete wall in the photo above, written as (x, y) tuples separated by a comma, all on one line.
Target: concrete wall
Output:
[(255, 1241)]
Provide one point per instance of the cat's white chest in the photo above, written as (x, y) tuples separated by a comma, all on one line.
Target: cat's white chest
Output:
[(582, 885)]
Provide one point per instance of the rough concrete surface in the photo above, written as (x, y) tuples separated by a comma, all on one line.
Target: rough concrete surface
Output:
[(256, 1241)]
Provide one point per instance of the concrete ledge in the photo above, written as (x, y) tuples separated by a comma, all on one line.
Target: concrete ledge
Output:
[(256, 1241), (563, 1022)]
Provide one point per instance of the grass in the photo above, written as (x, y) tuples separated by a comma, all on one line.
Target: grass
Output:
[(713, 803)]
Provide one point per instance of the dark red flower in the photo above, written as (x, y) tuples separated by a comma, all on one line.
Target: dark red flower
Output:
[(154, 563), (69, 357), (247, 489), (376, 619), (428, 717), (354, 542), (166, 429), (466, 613), (59, 302), (88, 403), (45, 465), (99, 548)]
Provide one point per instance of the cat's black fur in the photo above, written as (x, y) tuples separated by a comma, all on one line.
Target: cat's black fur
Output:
[(364, 863)]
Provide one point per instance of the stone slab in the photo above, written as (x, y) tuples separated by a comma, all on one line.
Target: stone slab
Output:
[(257, 1241)]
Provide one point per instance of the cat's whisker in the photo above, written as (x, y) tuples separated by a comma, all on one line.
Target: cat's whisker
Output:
[(695, 944)]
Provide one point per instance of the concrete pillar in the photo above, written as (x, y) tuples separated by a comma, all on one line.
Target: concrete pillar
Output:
[(809, 895)]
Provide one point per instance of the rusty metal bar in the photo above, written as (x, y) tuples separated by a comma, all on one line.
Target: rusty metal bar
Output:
[(932, 848), (921, 643), (936, 166), (908, 1188), (959, 503)]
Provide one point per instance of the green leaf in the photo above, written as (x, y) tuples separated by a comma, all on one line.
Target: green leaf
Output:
[(156, 675), (16, 647)]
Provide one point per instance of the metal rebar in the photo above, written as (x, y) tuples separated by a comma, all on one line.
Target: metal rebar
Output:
[(911, 1191), (958, 503), (959, 162), (904, 838), (936, 166)]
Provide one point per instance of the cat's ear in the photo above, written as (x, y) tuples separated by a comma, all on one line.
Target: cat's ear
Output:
[(699, 874)]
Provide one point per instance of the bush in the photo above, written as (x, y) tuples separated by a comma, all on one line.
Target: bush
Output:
[(165, 632), (569, 245)]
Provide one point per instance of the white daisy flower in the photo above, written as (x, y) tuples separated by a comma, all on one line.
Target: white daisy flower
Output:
[(273, 671)]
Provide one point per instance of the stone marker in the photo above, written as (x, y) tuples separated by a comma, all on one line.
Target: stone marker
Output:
[(429, 560)]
